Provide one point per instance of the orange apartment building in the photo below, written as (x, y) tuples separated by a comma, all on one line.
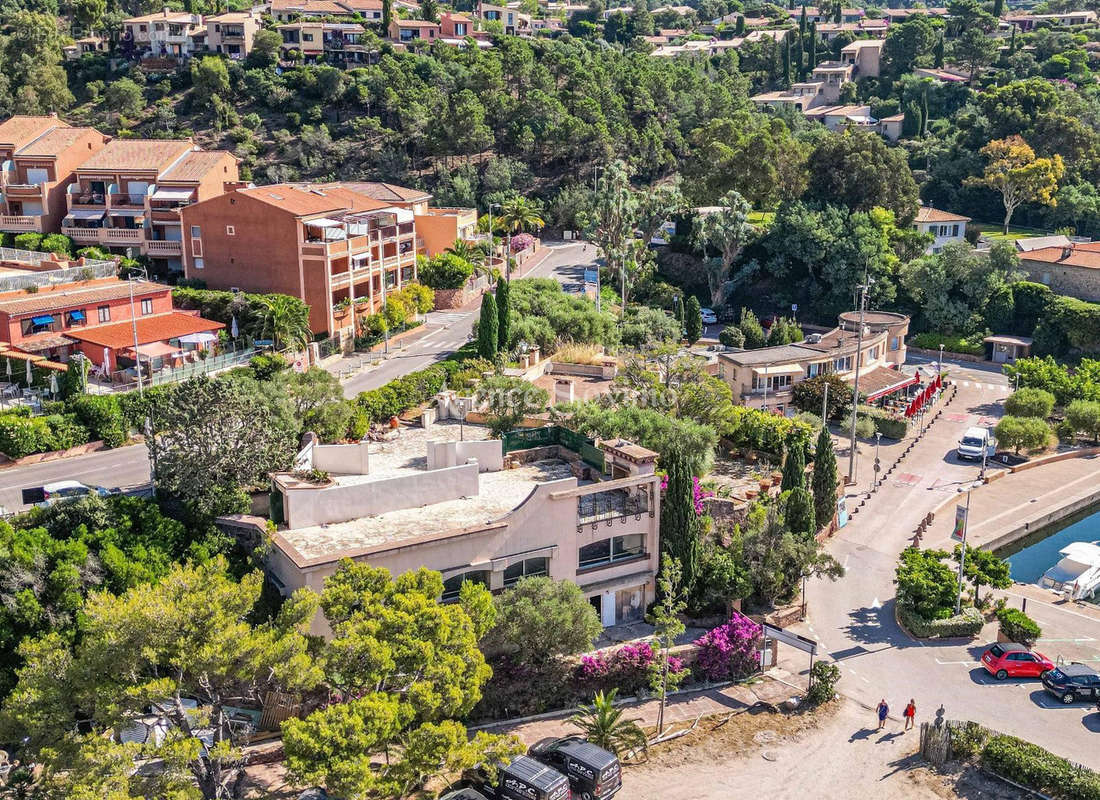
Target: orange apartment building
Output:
[(127, 197), (331, 245), (38, 156)]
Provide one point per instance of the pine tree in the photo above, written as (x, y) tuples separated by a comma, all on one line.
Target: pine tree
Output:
[(824, 479), (487, 328), (693, 320), (679, 523), (794, 466), (504, 321), (799, 514)]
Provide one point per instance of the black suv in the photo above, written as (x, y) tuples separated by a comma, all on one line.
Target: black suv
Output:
[(523, 779), (593, 772), (1072, 682)]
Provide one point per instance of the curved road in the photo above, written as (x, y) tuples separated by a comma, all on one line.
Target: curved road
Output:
[(853, 618)]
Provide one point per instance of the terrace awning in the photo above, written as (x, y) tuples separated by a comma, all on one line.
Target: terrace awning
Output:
[(76, 315), (153, 350), (127, 212), (172, 194), (323, 222), (85, 213), (785, 369), (45, 319)]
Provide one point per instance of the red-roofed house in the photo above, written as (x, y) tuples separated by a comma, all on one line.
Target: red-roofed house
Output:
[(1073, 270), (944, 226), (408, 30)]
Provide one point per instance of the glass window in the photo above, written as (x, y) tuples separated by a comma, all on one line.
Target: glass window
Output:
[(528, 568), (595, 553), (146, 307), (610, 550), (199, 263), (452, 586), (196, 231), (894, 343)]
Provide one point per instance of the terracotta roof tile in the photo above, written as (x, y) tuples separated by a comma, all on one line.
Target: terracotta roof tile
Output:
[(195, 165), (157, 328), (19, 130), (1077, 257), (386, 192), (303, 200), (137, 154), (926, 214), (67, 296), (55, 142)]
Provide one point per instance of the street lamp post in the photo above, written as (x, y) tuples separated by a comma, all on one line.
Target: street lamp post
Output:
[(805, 575), (825, 407), (962, 555), (133, 323), (878, 440), (855, 384), (940, 368), (492, 244)]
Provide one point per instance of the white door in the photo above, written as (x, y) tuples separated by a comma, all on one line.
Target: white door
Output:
[(607, 609)]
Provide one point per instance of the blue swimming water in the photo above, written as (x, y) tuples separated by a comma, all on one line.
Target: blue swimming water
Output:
[(1040, 551)]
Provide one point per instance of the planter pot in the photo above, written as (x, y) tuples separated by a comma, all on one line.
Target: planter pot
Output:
[(765, 485), (1001, 636), (395, 423)]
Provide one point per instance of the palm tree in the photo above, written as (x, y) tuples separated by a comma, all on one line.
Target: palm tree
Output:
[(286, 322), (516, 216), (466, 251), (603, 725)]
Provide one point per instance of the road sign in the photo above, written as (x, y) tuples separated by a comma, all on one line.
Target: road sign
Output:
[(959, 533), (591, 276), (793, 639), (878, 465), (794, 307)]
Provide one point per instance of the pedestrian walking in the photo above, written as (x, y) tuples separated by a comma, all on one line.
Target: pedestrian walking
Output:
[(883, 709), (909, 713)]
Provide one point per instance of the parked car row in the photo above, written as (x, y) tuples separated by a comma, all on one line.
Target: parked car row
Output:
[(1070, 683), (555, 769)]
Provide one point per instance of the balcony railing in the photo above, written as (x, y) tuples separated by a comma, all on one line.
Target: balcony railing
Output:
[(611, 505), (123, 235), (23, 189), (14, 223), (88, 198), (131, 200), (163, 247), (81, 234)]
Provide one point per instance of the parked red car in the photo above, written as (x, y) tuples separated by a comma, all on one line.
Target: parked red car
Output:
[(1010, 660)]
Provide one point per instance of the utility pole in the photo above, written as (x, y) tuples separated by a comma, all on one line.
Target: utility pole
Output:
[(855, 384), (962, 555), (825, 407)]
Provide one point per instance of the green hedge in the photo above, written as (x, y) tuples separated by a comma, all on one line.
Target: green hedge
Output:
[(888, 425), (1039, 769), (968, 623), (408, 391), (1018, 626), (101, 414), (970, 345)]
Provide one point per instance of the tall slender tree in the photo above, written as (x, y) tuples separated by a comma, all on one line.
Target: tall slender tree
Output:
[(693, 320), (937, 52), (787, 56), (679, 522), (824, 478), (1012, 42), (487, 342), (664, 616), (999, 8), (504, 321), (813, 46), (739, 30), (799, 513), (924, 112), (838, 12), (794, 466), (387, 14)]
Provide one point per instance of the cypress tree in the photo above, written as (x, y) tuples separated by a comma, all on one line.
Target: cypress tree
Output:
[(838, 14), (824, 479), (504, 322), (790, 5), (799, 513), (802, 24), (679, 522), (487, 328), (924, 113), (387, 14), (1012, 42), (999, 8), (787, 62), (693, 320), (813, 45), (794, 466), (740, 29), (910, 125), (937, 52)]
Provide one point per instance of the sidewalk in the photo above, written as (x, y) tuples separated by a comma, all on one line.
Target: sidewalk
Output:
[(773, 687)]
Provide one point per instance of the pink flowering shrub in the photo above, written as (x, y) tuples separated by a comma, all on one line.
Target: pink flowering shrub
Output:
[(698, 494), (521, 241), (626, 668), (729, 651)]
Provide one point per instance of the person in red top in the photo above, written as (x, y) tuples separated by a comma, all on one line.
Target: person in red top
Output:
[(909, 713)]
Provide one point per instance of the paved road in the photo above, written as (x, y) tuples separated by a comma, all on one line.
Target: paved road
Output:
[(122, 467), (853, 619), (446, 331)]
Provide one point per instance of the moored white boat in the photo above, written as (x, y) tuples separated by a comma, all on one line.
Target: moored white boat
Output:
[(1077, 574)]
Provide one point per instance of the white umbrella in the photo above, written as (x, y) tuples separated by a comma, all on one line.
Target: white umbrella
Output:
[(233, 331), (30, 378), (198, 338), (106, 361), (8, 360), (53, 384)]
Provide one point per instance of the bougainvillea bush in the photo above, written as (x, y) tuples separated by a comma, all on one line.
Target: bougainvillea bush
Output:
[(729, 651), (521, 242), (627, 668)]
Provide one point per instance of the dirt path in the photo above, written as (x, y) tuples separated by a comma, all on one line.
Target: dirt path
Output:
[(835, 753)]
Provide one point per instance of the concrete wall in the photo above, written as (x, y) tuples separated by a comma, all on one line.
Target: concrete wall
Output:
[(488, 454), (307, 506), (342, 459)]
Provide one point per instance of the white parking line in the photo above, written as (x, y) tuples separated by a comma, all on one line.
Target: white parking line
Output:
[(964, 663)]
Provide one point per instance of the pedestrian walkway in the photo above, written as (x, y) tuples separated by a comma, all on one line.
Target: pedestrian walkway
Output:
[(773, 687)]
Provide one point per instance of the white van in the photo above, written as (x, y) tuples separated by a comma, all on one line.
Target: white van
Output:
[(975, 443)]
